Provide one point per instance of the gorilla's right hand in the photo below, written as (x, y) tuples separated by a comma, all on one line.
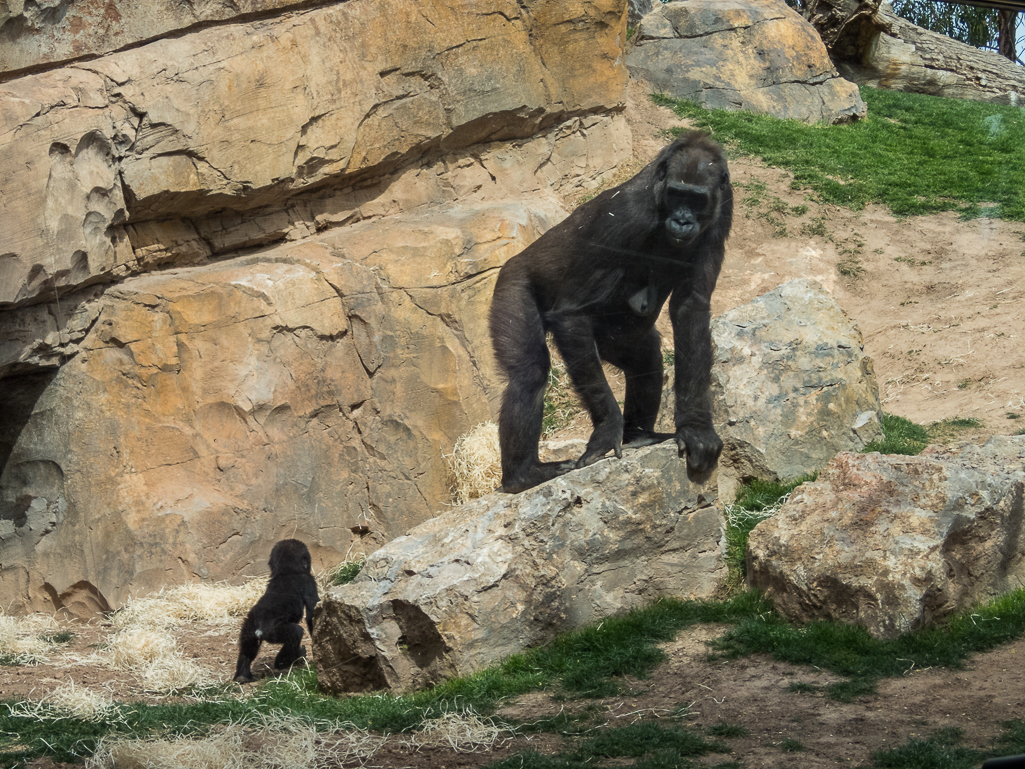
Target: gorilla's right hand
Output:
[(702, 447)]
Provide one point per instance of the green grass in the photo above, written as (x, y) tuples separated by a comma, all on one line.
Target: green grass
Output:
[(756, 501), (758, 495), (60, 637), (901, 436), (943, 750), (790, 745), (723, 729), (346, 572), (588, 663), (561, 403), (850, 651), (915, 154), (656, 746), (950, 429)]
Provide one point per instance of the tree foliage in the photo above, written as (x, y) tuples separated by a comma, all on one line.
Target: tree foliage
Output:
[(977, 27)]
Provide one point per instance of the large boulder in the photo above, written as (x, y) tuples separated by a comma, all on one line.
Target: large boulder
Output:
[(756, 55), (791, 386), (487, 579), (895, 543)]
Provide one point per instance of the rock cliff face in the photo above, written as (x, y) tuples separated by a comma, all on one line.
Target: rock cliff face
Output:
[(156, 154), (34, 33), (245, 268)]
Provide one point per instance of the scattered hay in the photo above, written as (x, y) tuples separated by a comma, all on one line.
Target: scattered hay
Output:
[(143, 642), (70, 701), (461, 732), (281, 740), (218, 604), (476, 463), (152, 654), (23, 640), (274, 741)]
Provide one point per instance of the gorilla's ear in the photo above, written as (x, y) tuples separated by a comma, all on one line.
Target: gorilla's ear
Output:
[(662, 170)]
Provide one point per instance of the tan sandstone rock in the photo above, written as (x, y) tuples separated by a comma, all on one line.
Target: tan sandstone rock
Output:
[(487, 579), (249, 116), (307, 391), (40, 32)]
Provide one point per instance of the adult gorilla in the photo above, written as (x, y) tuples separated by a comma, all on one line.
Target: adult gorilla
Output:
[(596, 283)]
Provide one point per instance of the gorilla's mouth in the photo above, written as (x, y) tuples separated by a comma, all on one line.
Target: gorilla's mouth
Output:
[(681, 233)]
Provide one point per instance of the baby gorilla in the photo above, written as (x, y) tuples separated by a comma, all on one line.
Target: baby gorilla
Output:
[(276, 616)]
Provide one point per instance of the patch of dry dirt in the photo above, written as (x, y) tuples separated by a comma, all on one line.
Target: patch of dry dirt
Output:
[(940, 303)]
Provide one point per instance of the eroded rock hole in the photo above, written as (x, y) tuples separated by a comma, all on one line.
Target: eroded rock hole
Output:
[(420, 636)]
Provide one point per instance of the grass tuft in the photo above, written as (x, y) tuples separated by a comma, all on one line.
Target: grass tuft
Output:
[(756, 501), (900, 436), (561, 402), (345, 572), (722, 729), (654, 745)]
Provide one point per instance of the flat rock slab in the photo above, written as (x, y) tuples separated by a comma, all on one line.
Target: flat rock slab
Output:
[(895, 543), (504, 572)]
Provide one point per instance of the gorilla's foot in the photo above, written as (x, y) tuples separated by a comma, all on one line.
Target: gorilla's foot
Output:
[(634, 439), (535, 475), (287, 660)]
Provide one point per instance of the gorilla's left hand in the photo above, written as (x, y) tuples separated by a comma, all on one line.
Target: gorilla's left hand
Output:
[(702, 447)]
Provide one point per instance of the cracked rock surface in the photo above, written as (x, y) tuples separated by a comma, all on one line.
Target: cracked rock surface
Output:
[(246, 257), (307, 391), (257, 119), (754, 55), (895, 543), (791, 385)]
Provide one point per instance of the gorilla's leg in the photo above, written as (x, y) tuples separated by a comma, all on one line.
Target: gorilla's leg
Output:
[(290, 636), (519, 341), (248, 648), (640, 359), (575, 340)]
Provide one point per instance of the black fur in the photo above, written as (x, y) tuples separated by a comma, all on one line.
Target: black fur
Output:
[(597, 283), (276, 616)]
